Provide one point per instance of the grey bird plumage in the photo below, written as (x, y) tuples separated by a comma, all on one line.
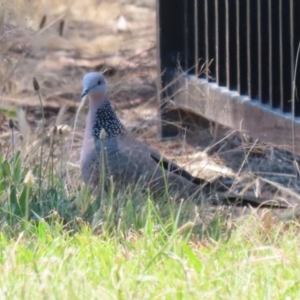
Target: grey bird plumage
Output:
[(130, 161)]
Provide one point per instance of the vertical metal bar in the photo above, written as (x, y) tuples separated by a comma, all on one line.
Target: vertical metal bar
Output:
[(186, 31), (196, 37), (285, 56), (275, 55), (253, 59), (217, 39), (211, 29), (232, 45), (296, 66), (259, 51), (159, 66), (222, 43), (244, 47), (248, 50), (270, 51), (227, 45), (281, 57), (264, 51), (292, 42), (238, 45), (202, 39), (206, 61)]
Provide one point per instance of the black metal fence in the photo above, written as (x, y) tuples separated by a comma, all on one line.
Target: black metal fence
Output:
[(246, 45)]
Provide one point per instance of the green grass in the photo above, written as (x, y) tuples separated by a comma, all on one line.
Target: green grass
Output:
[(47, 262), (58, 242), (48, 249)]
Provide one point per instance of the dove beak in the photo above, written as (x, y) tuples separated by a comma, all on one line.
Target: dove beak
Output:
[(84, 93)]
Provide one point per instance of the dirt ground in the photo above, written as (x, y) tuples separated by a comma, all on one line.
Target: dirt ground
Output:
[(119, 38)]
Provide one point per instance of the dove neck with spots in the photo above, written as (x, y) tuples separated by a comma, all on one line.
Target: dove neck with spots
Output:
[(107, 119)]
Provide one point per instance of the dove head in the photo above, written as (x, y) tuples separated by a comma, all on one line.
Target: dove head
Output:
[(94, 86)]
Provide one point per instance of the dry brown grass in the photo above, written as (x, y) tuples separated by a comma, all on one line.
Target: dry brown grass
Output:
[(90, 41)]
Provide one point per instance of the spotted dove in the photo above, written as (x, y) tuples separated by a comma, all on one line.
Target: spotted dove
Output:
[(130, 161)]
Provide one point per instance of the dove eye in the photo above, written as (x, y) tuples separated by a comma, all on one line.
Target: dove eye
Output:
[(99, 82)]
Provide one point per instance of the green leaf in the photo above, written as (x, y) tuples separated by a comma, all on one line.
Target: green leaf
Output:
[(2, 177), (5, 170), (13, 199), (2, 185), (8, 112), (24, 201), (193, 259), (16, 164)]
